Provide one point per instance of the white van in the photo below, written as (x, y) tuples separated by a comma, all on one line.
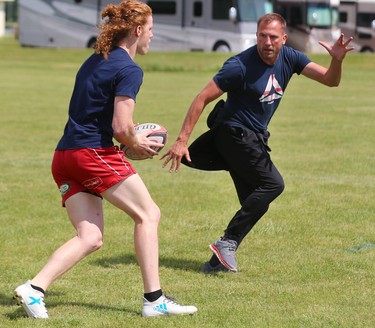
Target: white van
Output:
[(179, 25), (357, 19)]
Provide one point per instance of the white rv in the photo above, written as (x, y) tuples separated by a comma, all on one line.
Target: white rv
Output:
[(310, 21), (357, 19), (54, 23), (208, 25), (179, 25)]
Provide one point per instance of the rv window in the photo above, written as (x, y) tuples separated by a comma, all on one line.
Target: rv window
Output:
[(163, 7), (365, 19), (198, 9), (343, 17), (296, 16), (220, 9), (251, 10), (282, 10), (320, 15)]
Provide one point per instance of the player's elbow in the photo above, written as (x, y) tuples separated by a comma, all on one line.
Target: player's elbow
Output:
[(332, 83), (335, 84)]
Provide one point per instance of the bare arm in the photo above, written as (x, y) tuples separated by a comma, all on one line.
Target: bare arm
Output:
[(123, 129), (330, 76), (179, 149)]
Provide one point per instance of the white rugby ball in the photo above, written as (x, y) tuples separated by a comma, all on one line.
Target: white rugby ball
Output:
[(157, 133)]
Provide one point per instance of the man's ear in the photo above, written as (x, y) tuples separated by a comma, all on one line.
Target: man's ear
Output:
[(285, 37)]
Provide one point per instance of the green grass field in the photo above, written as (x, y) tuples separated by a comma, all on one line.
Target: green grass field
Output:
[(309, 262)]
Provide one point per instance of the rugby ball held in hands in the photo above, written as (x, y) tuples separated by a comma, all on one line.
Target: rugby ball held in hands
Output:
[(157, 133)]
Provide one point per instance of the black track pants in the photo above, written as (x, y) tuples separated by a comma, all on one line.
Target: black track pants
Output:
[(257, 180)]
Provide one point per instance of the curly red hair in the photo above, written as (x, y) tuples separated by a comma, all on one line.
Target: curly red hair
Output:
[(119, 21)]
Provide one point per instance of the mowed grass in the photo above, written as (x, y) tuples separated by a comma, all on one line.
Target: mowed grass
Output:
[(309, 262)]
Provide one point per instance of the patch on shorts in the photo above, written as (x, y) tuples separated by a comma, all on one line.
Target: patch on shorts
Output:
[(92, 183), (64, 188)]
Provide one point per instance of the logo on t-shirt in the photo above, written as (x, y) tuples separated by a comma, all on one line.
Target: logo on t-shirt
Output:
[(273, 90)]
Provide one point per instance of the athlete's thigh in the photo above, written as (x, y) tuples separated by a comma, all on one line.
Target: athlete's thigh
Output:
[(249, 161), (243, 152), (131, 196), (85, 211), (243, 187)]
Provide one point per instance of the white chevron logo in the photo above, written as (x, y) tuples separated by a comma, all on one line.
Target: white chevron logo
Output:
[(272, 85)]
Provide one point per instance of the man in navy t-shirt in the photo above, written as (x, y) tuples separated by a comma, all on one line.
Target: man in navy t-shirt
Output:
[(255, 81), (255, 88)]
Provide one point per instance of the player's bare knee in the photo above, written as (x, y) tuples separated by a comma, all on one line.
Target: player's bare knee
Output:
[(151, 216), (94, 245), (92, 242)]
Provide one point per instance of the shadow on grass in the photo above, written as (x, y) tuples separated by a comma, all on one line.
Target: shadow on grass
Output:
[(166, 262), (6, 300), (19, 312), (109, 262)]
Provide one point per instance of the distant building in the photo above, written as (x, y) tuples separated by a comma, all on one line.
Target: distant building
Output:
[(6, 7)]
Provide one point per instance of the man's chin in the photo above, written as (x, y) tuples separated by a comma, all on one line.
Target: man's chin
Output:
[(269, 53)]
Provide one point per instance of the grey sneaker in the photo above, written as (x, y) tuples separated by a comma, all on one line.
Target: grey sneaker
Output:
[(208, 268), (225, 250), (165, 305), (31, 300)]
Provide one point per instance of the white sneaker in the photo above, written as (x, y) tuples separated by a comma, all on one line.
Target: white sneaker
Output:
[(31, 300), (165, 305)]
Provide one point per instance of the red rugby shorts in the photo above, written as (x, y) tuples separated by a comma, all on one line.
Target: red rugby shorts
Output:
[(89, 170)]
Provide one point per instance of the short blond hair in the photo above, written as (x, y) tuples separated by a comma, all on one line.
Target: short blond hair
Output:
[(268, 18)]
